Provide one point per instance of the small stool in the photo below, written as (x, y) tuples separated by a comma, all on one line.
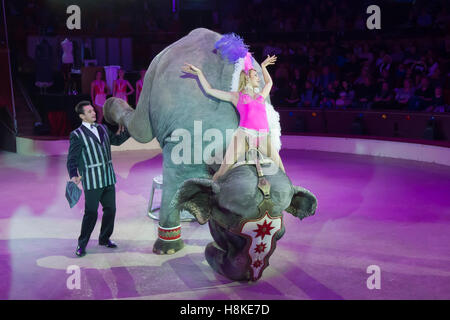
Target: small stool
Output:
[(185, 216)]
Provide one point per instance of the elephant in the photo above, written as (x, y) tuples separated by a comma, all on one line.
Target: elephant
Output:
[(174, 109), (244, 211)]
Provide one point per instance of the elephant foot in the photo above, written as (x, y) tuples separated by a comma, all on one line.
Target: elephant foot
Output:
[(167, 247)]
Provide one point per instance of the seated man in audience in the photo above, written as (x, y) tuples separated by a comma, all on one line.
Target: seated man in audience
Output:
[(309, 97), (365, 94), (424, 95), (383, 98), (328, 97), (403, 96), (437, 103)]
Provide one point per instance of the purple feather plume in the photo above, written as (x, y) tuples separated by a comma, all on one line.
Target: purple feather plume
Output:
[(232, 47)]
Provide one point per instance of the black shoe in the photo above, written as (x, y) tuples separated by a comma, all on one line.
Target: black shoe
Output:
[(81, 252), (109, 244)]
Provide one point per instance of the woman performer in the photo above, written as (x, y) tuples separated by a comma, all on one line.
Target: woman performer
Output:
[(99, 90), (251, 107), (120, 87)]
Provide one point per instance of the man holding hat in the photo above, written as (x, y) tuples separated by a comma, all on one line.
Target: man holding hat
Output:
[(89, 162)]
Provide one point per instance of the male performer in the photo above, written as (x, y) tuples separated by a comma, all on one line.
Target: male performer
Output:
[(89, 161)]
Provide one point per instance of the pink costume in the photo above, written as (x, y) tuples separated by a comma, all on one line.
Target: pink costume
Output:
[(121, 89), (99, 91), (253, 117), (252, 112)]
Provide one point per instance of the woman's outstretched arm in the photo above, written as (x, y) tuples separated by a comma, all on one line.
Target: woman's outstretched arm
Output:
[(219, 94), (267, 79)]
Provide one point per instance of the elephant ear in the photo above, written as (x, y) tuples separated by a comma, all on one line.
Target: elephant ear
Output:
[(303, 203), (195, 195)]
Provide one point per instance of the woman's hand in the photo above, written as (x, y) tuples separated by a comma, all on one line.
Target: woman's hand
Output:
[(189, 68), (269, 61)]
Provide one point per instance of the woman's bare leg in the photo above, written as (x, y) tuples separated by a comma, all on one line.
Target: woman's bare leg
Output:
[(268, 150), (234, 151)]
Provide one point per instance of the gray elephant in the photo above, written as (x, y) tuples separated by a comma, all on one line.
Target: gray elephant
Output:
[(173, 109), (244, 211)]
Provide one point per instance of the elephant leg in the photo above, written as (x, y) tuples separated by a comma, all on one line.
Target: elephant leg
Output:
[(169, 229), (269, 150), (226, 255)]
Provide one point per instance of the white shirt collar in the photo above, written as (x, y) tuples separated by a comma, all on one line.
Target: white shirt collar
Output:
[(86, 124)]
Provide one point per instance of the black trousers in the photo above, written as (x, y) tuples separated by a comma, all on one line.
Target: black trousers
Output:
[(107, 197)]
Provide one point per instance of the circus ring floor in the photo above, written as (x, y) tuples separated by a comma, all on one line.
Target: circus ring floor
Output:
[(391, 213)]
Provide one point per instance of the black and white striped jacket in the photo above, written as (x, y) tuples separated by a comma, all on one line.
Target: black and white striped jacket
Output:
[(91, 158)]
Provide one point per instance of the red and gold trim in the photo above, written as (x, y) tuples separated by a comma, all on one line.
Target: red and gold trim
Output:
[(169, 234)]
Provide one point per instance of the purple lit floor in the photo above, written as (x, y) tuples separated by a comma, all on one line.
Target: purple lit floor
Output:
[(372, 211)]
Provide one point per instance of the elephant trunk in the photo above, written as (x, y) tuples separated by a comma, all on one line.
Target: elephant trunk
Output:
[(117, 111)]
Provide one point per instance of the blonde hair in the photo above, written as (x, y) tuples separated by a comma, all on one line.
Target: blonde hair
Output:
[(244, 80)]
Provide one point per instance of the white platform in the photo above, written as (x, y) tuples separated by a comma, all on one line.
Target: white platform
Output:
[(371, 147), (26, 146)]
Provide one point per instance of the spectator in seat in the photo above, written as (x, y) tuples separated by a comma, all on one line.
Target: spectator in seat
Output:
[(403, 96), (366, 54), (351, 67), (328, 97), (383, 77), (309, 97), (326, 77), (423, 95), (385, 64), (294, 97), (345, 95), (419, 66), (400, 75), (383, 98), (437, 103), (313, 78), (364, 94)]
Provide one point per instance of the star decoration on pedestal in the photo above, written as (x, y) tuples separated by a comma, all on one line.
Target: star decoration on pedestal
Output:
[(263, 229), (257, 264), (260, 248)]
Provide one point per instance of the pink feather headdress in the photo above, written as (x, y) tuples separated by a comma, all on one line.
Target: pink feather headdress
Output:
[(248, 63), (233, 47)]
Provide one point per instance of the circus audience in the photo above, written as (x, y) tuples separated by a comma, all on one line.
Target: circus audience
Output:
[(327, 67), (372, 75)]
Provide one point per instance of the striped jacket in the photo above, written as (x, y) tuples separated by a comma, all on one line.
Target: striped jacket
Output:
[(91, 158)]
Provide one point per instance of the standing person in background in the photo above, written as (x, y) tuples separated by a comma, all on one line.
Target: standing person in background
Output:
[(99, 90), (120, 86), (89, 161)]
